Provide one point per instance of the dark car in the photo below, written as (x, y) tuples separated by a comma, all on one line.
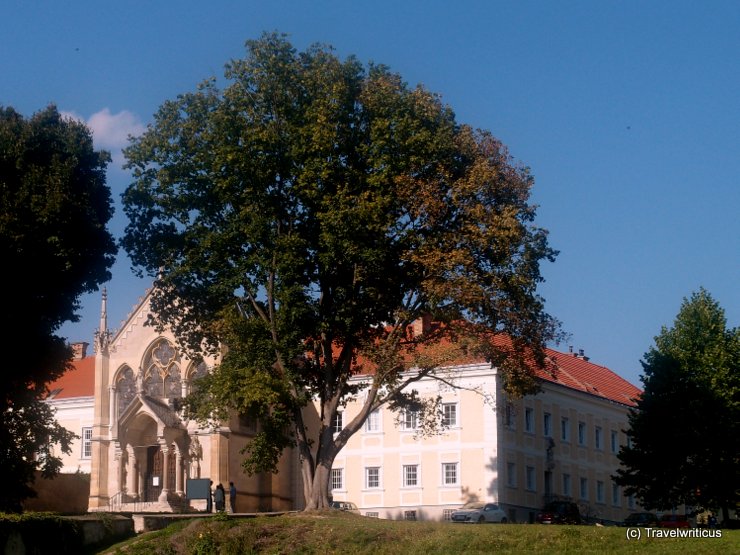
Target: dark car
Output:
[(674, 521), (641, 520), (559, 512)]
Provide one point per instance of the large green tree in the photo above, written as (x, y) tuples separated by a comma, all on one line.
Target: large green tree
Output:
[(685, 430), (54, 245), (308, 213)]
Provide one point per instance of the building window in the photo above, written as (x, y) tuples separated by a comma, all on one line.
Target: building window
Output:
[(410, 475), (529, 420), (409, 515), (599, 491), (372, 424), (564, 429), (410, 420), (615, 495), (449, 414), (372, 477), (566, 485), (584, 488), (447, 514), (547, 424), (597, 438), (86, 443), (338, 422), (615, 441), (531, 483), (372, 515), (511, 474), (510, 417), (449, 474), (337, 478), (581, 433)]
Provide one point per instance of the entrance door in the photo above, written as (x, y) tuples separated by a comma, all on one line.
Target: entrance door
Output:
[(154, 474), (171, 469)]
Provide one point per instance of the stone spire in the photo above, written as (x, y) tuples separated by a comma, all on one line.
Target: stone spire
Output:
[(103, 334)]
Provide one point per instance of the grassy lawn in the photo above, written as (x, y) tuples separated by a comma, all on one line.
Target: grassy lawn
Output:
[(348, 534)]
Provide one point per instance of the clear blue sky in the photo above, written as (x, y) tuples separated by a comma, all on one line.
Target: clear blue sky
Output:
[(628, 114)]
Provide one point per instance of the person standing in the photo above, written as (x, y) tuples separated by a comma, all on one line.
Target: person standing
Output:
[(232, 496), (220, 498)]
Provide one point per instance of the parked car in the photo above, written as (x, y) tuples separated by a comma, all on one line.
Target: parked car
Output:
[(641, 520), (479, 512), (559, 512), (345, 506), (674, 521)]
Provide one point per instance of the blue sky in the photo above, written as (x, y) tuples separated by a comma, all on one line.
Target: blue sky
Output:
[(627, 113)]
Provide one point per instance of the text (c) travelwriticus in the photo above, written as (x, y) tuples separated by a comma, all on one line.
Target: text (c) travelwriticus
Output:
[(638, 533)]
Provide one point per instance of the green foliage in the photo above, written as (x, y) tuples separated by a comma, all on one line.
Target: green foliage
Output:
[(307, 214), (40, 533), (685, 431), (54, 208)]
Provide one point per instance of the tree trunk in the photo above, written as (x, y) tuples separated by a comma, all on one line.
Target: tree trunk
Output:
[(318, 494), (317, 478)]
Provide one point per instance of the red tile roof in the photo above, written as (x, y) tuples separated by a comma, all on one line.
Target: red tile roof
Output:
[(78, 382), (576, 372)]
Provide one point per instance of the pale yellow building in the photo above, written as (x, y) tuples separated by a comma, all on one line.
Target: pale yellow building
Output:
[(72, 397), (559, 444)]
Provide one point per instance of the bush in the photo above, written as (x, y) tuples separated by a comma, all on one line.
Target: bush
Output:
[(39, 533)]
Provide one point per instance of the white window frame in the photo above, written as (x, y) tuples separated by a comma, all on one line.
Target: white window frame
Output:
[(410, 420), (369, 478), (547, 424), (510, 417), (582, 430), (565, 429), (336, 479), (598, 439), (446, 474), (616, 496), (566, 484), (615, 441), (530, 479), (599, 491), (337, 424), (410, 473), (583, 488), (529, 420), (372, 424), (86, 437), (449, 419), (511, 474)]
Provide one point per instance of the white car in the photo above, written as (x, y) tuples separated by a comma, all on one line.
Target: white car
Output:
[(479, 512)]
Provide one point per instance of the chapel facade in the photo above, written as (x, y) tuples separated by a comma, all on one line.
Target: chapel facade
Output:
[(143, 449)]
